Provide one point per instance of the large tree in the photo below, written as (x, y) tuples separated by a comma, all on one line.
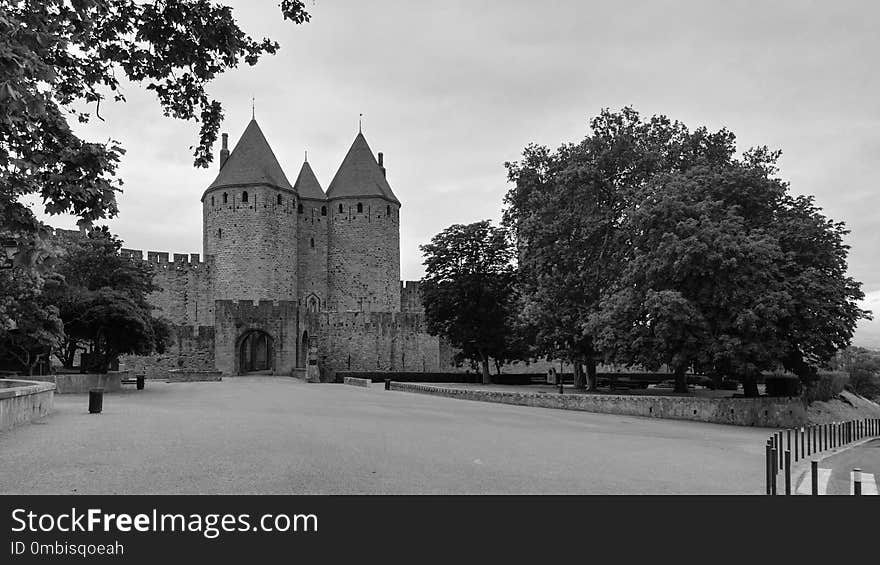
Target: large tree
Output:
[(727, 273), (30, 326), (468, 291), (103, 301), (60, 59), (565, 211)]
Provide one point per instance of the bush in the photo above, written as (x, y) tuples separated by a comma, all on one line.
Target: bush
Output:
[(826, 385), (779, 385), (864, 384)]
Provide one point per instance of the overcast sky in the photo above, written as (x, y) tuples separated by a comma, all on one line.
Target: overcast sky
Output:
[(451, 90)]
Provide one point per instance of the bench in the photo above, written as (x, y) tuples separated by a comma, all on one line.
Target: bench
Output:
[(137, 380)]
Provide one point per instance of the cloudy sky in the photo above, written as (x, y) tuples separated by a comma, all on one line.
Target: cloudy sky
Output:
[(451, 90)]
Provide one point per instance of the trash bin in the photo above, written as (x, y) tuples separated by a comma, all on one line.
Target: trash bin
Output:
[(387, 384), (96, 400), (140, 382)]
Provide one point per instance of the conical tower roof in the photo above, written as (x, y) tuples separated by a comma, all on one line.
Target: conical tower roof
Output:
[(251, 162), (307, 185), (360, 175)]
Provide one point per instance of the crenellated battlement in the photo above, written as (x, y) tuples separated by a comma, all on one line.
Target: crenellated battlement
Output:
[(165, 260)]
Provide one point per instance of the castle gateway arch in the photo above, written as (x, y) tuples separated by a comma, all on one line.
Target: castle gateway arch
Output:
[(255, 352)]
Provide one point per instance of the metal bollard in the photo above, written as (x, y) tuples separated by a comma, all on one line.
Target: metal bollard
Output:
[(796, 444), (779, 448), (96, 400), (387, 384), (857, 481), (815, 443), (140, 382), (560, 386), (787, 471), (814, 471), (768, 453), (774, 473)]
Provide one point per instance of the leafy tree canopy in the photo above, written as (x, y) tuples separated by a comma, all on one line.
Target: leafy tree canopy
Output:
[(468, 291)]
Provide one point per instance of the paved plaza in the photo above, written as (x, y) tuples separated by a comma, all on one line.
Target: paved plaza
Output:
[(274, 435)]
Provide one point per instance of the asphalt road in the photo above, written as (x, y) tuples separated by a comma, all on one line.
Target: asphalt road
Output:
[(865, 457), (266, 435)]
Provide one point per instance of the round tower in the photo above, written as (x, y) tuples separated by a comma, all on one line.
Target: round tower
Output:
[(313, 214), (250, 223), (363, 259)]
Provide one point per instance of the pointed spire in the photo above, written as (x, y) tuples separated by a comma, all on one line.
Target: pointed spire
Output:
[(360, 174), (251, 162), (307, 185)]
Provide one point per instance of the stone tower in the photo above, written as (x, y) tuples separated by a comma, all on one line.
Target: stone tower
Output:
[(250, 223), (313, 214), (363, 259)]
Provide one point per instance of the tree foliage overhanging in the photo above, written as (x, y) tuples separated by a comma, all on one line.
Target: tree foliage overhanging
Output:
[(650, 244), (58, 57)]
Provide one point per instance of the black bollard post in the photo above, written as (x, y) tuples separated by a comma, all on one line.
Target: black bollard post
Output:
[(560, 386), (815, 443), (96, 400), (787, 471), (796, 443), (803, 443), (857, 481), (387, 384), (768, 453), (814, 472), (775, 472), (140, 382)]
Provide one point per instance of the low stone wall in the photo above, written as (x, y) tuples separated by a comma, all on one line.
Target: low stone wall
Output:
[(354, 381), (193, 376), (24, 401), (761, 412), (80, 383)]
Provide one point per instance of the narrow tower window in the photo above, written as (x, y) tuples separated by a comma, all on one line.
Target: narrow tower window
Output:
[(212, 201), (340, 208), (312, 242), (244, 197), (388, 210), (299, 209), (219, 233), (279, 199), (360, 207), (323, 210), (225, 198)]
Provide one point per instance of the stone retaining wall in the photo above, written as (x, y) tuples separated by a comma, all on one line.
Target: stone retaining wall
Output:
[(356, 382), (24, 401), (761, 412), (80, 383), (193, 376)]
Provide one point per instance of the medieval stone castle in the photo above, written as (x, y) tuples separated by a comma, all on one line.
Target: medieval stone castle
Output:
[(293, 275)]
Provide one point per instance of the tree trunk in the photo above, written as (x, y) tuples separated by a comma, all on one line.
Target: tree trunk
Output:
[(592, 379), (487, 378), (580, 381), (681, 384)]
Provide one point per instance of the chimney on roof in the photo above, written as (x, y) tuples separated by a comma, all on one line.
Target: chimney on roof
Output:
[(224, 152), (381, 163)]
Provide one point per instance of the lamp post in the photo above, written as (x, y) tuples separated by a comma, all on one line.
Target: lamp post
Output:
[(10, 248)]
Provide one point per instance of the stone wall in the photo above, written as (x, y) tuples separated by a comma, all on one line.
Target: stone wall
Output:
[(81, 383), (761, 412), (190, 347), (410, 298), (24, 401), (363, 258), (187, 286), (374, 341)]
